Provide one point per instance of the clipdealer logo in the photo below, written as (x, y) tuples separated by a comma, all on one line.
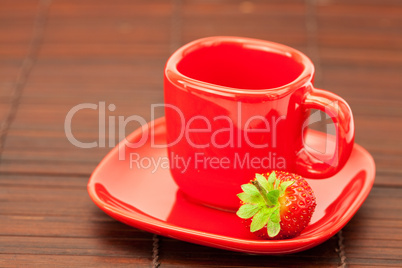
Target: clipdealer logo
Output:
[(107, 138)]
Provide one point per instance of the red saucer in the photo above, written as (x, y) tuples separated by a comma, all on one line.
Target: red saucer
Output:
[(148, 199)]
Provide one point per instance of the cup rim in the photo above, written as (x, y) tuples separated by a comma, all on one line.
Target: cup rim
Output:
[(188, 83)]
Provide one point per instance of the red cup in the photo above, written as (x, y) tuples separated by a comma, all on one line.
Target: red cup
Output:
[(239, 106)]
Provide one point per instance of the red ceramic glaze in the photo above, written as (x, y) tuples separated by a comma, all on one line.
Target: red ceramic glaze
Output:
[(148, 198), (221, 93)]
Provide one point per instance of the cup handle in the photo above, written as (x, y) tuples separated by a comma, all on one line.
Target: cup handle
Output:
[(308, 164)]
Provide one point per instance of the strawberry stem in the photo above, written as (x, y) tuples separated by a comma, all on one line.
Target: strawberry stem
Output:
[(262, 192)]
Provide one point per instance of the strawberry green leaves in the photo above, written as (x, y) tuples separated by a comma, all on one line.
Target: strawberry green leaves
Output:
[(285, 185), (272, 196), (271, 178), (273, 228), (249, 189), (261, 202), (247, 211), (275, 217), (250, 195), (260, 219), (250, 199), (262, 181)]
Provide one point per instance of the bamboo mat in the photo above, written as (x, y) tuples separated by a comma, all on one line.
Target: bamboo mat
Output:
[(57, 54)]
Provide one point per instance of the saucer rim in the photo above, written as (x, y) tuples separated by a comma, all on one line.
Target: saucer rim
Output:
[(146, 222)]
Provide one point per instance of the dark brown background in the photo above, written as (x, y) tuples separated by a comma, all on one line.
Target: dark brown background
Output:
[(55, 55)]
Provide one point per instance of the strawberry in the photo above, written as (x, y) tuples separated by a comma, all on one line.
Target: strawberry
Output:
[(278, 205)]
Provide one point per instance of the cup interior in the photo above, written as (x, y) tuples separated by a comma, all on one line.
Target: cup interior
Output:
[(237, 66)]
